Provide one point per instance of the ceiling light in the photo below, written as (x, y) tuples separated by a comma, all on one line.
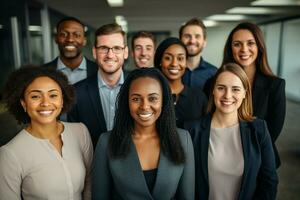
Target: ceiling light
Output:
[(115, 3), (227, 17), (254, 10), (122, 22), (276, 3), (210, 23)]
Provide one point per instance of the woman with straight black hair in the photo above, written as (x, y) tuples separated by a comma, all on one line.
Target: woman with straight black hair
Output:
[(144, 156)]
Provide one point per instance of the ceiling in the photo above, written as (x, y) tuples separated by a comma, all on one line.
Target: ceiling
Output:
[(154, 15)]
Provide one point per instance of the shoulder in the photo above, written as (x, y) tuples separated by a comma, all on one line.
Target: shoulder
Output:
[(103, 141), (90, 62), (184, 137), (52, 63), (209, 65), (85, 82), (75, 128), (259, 128)]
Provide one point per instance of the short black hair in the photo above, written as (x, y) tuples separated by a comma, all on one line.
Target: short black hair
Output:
[(20, 79), (69, 19), (120, 136)]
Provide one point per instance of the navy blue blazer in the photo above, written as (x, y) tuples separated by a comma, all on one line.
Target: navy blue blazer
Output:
[(91, 66), (123, 179), (269, 103), (88, 107), (259, 179)]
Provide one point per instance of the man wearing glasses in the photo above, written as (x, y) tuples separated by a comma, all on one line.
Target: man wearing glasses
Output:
[(96, 95)]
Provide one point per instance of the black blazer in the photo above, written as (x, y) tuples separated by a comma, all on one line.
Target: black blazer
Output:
[(123, 179), (269, 103), (91, 66), (259, 177)]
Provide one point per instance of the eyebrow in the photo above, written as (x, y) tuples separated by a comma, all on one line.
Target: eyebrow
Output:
[(40, 91), (234, 86), (136, 94), (180, 54)]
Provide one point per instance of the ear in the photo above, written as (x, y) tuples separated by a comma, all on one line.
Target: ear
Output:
[(204, 43), (94, 53), (23, 104), (126, 52), (56, 38), (84, 41)]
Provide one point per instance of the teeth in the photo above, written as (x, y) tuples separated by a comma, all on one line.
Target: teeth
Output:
[(144, 60), (69, 47), (145, 116), (174, 71), (45, 112), (226, 103), (244, 57)]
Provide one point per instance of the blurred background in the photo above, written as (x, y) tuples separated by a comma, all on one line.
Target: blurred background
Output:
[(27, 30)]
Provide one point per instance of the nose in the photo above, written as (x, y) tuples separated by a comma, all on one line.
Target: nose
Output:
[(70, 38), (227, 93), (110, 53), (244, 47), (45, 101), (143, 51), (192, 39), (174, 62), (144, 105)]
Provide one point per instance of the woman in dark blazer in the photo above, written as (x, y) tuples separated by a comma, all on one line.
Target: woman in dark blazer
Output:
[(245, 45), (144, 156), (190, 102), (233, 151)]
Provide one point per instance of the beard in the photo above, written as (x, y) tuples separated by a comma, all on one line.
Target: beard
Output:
[(196, 52), (70, 54)]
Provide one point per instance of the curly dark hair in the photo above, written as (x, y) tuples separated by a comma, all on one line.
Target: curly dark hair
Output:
[(20, 79), (120, 136)]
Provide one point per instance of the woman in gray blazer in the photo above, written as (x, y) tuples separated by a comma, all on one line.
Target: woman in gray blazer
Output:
[(145, 156)]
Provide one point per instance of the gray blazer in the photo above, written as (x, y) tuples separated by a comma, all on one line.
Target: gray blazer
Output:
[(124, 179)]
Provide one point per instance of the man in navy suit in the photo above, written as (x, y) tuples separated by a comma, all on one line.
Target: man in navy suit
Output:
[(71, 39), (96, 95)]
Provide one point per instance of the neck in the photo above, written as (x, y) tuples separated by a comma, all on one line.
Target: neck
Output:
[(176, 86), (48, 131), (72, 63), (193, 61), (144, 132), (111, 79), (220, 120)]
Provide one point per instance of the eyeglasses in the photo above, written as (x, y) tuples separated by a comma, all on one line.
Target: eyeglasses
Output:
[(115, 49)]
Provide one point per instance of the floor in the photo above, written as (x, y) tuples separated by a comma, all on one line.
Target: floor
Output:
[(288, 145)]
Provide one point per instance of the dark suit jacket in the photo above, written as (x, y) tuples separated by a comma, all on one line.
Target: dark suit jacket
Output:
[(259, 178), (269, 103), (88, 107), (124, 179), (91, 66)]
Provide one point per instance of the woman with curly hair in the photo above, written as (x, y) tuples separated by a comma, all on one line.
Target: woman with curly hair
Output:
[(48, 159), (144, 156)]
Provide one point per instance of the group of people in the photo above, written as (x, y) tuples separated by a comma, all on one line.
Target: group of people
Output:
[(176, 127)]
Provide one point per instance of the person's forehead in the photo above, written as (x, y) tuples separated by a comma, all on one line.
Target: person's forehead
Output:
[(143, 41), (113, 39), (71, 25), (192, 29)]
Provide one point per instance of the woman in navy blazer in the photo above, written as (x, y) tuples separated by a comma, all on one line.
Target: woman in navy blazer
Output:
[(233, 151), (144, 156), (245, 45)]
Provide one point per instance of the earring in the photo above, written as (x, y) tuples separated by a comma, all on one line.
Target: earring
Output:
[(24, 109)]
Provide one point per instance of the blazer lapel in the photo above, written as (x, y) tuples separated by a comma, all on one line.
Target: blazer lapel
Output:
[(245, 139), (93, 92), (128, 172), (205, 133)]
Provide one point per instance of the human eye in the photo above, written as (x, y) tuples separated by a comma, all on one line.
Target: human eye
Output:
[(167, 57), (117, 49), (138, 48), (63, 34), (220, 88), (187, 36), (77, 35), (135, 99), (102, 49), (236, 89), (197, 36), (35, 96), (181, 58), (53, 96), (251, 43), (153, 98), (236, 44)]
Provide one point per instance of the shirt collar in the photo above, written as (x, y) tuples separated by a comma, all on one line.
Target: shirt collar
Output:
[(62, 66), (101, 82)]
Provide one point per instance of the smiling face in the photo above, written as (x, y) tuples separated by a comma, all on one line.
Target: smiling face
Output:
[(228, 93), (70, 39), (193, 38), (43, 101), (173, 62), (244, 48), (143, 52), (110, 62), (145, 101)]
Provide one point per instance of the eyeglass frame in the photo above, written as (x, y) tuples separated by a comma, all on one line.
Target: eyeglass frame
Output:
[(107, 49)]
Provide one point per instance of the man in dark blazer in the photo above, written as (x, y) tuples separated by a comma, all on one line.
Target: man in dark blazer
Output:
[(71, 39), (96, 95)]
